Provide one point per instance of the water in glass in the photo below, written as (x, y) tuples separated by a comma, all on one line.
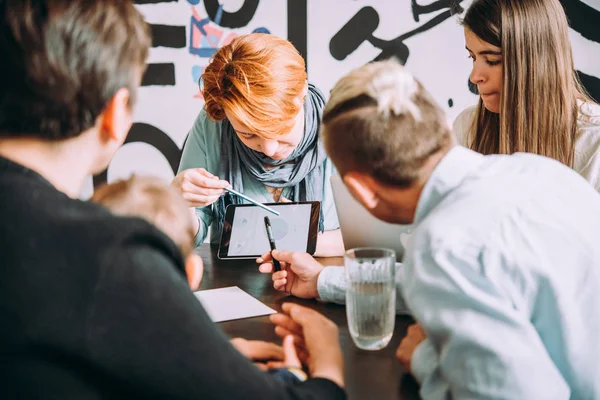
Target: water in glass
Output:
[(370, 296)]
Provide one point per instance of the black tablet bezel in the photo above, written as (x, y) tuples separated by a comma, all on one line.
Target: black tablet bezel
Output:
[(313, 229)]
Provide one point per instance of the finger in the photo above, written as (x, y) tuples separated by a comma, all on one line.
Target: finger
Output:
[(263, 366), (284, 200), (191, 188), (290, 358), (286, 322), (306, 317), (237, 342), (266, 268), (275, 365), (203, 171), (283, 255), (198, 198), (294, 311), (280, 275), (298, 341), (259, 350), (280, 284), (201, 185), (265, 257), (283, 332), (200, 178)]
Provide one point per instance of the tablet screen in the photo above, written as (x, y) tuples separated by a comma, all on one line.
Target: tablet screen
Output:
[(290, 229)]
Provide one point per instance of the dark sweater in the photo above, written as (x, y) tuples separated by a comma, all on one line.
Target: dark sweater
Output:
[(95, 306)]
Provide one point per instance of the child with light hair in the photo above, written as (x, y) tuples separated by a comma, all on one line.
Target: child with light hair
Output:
[(153, 200)]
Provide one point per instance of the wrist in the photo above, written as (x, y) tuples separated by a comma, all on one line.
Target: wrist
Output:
[(424, 361), (331, 372), (315, 285)]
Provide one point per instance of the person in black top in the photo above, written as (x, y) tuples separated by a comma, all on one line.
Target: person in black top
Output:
[(160, 204), (93, 305)]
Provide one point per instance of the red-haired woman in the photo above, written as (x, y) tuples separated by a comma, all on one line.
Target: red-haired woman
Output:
[(258, 132)]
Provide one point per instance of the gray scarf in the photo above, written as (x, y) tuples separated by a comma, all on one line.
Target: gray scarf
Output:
[(304, 169)]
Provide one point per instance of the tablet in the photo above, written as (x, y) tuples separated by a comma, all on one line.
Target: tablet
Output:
[(244, 234)]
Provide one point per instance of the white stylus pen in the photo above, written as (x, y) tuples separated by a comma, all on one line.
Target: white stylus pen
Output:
[(256, 203)]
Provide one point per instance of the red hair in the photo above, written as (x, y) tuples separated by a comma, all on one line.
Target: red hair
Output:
[(259, 79)]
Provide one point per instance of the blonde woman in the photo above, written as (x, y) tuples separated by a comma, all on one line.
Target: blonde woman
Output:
[(530, 97)]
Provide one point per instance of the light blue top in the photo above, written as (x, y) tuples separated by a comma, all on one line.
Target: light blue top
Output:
[(203, 150), (503, 273)]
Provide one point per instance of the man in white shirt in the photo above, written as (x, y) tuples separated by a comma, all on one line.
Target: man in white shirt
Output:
[(502, 271)]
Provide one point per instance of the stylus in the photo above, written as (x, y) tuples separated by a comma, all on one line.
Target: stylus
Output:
[(276, 265), (256, 203)]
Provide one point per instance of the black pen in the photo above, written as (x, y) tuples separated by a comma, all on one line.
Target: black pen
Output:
[(276, 265)]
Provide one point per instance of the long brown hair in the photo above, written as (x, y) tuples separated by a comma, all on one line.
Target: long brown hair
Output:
[(538, 105)]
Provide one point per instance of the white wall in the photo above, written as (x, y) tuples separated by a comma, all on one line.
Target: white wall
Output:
[(436, 56)]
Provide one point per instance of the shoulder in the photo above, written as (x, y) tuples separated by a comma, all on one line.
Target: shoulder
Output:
[(463, 125), (205, 128), (108, 232), (202, 145), (78, 239), (588, 120), (588, 132)]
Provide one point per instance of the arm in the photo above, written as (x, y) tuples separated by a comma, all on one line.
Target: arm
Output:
[(590, 171), (329, 244), (485, 347), (331, 286), (198, 145), (149, 333), (587, 145)]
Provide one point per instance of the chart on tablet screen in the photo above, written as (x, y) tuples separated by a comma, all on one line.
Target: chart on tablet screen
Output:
[(290, 229)]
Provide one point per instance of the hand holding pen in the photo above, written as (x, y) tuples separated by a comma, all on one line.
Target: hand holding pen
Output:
[(276, 265), (198, 187)]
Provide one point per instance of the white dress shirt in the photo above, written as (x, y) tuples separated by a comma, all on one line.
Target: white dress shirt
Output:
[(503, 274)]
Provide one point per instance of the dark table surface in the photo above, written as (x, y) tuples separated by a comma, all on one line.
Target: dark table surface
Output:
[(374, 375)]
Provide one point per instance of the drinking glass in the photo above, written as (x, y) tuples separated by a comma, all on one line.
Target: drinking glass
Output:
[(370, 296)]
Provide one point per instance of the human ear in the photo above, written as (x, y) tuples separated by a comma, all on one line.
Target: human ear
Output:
[(363, 189), (115, 120)]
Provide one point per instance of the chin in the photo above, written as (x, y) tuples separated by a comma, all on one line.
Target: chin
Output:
[(385, 217), (495, 108), (281, 156), (395, 218)]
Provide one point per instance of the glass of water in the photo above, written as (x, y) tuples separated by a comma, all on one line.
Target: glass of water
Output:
[(370, 296)]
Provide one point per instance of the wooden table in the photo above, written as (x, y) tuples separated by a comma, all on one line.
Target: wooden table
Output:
[(375, 375)]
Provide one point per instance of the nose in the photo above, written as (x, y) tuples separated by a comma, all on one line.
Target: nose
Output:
[(269, 147), (477, 76)]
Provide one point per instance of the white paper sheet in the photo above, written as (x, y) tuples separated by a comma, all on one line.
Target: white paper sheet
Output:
[(229, 303)]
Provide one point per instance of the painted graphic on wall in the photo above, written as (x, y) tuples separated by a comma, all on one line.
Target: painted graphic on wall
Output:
[(334, 36)]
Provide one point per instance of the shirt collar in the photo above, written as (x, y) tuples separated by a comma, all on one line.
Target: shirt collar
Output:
[(446, 176)]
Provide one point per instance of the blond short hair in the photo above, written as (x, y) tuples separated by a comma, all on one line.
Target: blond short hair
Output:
[(154, 201), (381, 121)]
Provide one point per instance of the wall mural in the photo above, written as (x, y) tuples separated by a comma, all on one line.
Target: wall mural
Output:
[(334, 36)]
